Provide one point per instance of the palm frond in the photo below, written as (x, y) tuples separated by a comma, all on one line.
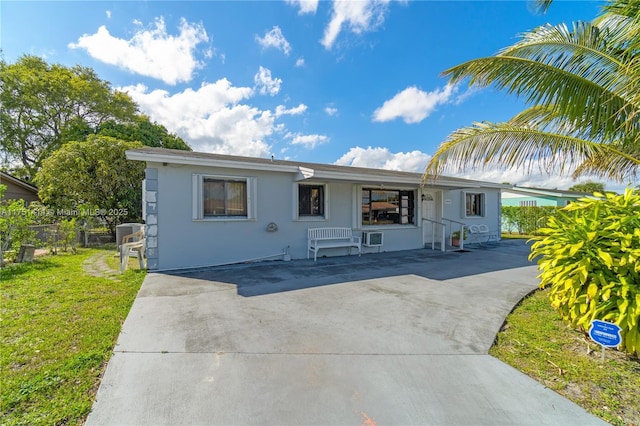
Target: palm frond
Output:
[(611, 167), (490, 145), (541, 6), (583, 85), (574, 97), (621, 20)]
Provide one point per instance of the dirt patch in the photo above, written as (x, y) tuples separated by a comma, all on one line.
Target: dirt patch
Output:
[(97, 266)]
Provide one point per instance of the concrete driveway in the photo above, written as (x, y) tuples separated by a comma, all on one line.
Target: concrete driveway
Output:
[(390, 338)]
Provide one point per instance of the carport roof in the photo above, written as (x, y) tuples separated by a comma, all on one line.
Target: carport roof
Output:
[(303, 170)]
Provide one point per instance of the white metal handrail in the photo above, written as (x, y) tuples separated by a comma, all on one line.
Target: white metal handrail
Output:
[(462, 226), (433, 234)]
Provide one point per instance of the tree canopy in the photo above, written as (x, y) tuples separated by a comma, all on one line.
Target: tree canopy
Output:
[(590, 187), (140, 129), (93, 178), (45, 106), (582, 83)]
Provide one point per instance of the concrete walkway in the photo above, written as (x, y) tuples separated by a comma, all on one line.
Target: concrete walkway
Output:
[(391, 338)]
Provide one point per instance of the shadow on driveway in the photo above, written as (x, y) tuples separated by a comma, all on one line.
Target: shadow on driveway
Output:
[(403, 339), (255, 279)]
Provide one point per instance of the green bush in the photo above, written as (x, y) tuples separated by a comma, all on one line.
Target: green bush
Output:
[(15, 220), (526, 220), (63, 234), (589, 254)]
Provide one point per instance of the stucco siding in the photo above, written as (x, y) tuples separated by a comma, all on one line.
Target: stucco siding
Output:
[(454, 208), (184, 242), (186, 229)]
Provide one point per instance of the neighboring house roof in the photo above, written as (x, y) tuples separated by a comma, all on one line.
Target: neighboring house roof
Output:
[(17, 188), (545, 192), (303, 170)]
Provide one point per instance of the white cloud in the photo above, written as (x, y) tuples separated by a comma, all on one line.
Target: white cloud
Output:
[(331, 111), (306, 6), (357, 16), (282, 110), (265, 83), (300, 62), (382, 158), (469, 92), (275, 39), (308, 141), (213, 118), (412, 104), (108, 13), (416, 161), (150, 52)]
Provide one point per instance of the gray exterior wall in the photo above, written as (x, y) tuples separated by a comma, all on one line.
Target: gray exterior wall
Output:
[(176, 240), (454, 208), (19, 192)]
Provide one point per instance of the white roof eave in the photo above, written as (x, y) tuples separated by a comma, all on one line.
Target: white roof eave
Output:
[(208, 162), (303, 173)]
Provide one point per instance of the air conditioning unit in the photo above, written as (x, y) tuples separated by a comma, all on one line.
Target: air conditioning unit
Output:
[(125, 229), (372, 239)]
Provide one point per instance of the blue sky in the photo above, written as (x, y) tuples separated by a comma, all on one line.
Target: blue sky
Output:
[(356, 82)]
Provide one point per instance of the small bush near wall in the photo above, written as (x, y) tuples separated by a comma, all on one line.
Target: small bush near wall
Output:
[(15, 219), (526, 220), (589, 254)]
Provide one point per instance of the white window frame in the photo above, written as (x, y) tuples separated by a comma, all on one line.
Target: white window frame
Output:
[(400, 188), (296, 199), (483, 204), (198, 202)]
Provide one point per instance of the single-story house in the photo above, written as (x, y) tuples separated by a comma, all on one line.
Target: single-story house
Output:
[(210, 209), (537, 197), (18, 189)]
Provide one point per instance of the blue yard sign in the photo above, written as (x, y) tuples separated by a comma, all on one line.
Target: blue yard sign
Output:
[(605, 334)]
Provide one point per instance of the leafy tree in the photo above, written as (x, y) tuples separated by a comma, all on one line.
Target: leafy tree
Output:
[(45, 105), (583, 85), (589, 187), (144, 131), (93, 178)]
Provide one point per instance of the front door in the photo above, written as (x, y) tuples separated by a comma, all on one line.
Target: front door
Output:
[(429, 212)]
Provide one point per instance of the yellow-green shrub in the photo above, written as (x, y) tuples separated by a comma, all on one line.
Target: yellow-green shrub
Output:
[(590, 256)]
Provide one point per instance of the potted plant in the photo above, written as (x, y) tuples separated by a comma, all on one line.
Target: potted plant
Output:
[(455, 237)]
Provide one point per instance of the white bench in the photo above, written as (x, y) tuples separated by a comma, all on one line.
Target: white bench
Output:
[(319, 238), (481, 234)]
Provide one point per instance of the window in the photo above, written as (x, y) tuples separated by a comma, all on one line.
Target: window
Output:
[(217, 197), (311, 200), (387, 206), (474, 204), (224, 197)]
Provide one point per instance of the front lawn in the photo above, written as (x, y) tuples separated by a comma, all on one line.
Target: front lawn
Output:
[(58, 327), (535, 341)]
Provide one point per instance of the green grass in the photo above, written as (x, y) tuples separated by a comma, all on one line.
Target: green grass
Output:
[(535, 341), (58, 326), (508, 236)]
